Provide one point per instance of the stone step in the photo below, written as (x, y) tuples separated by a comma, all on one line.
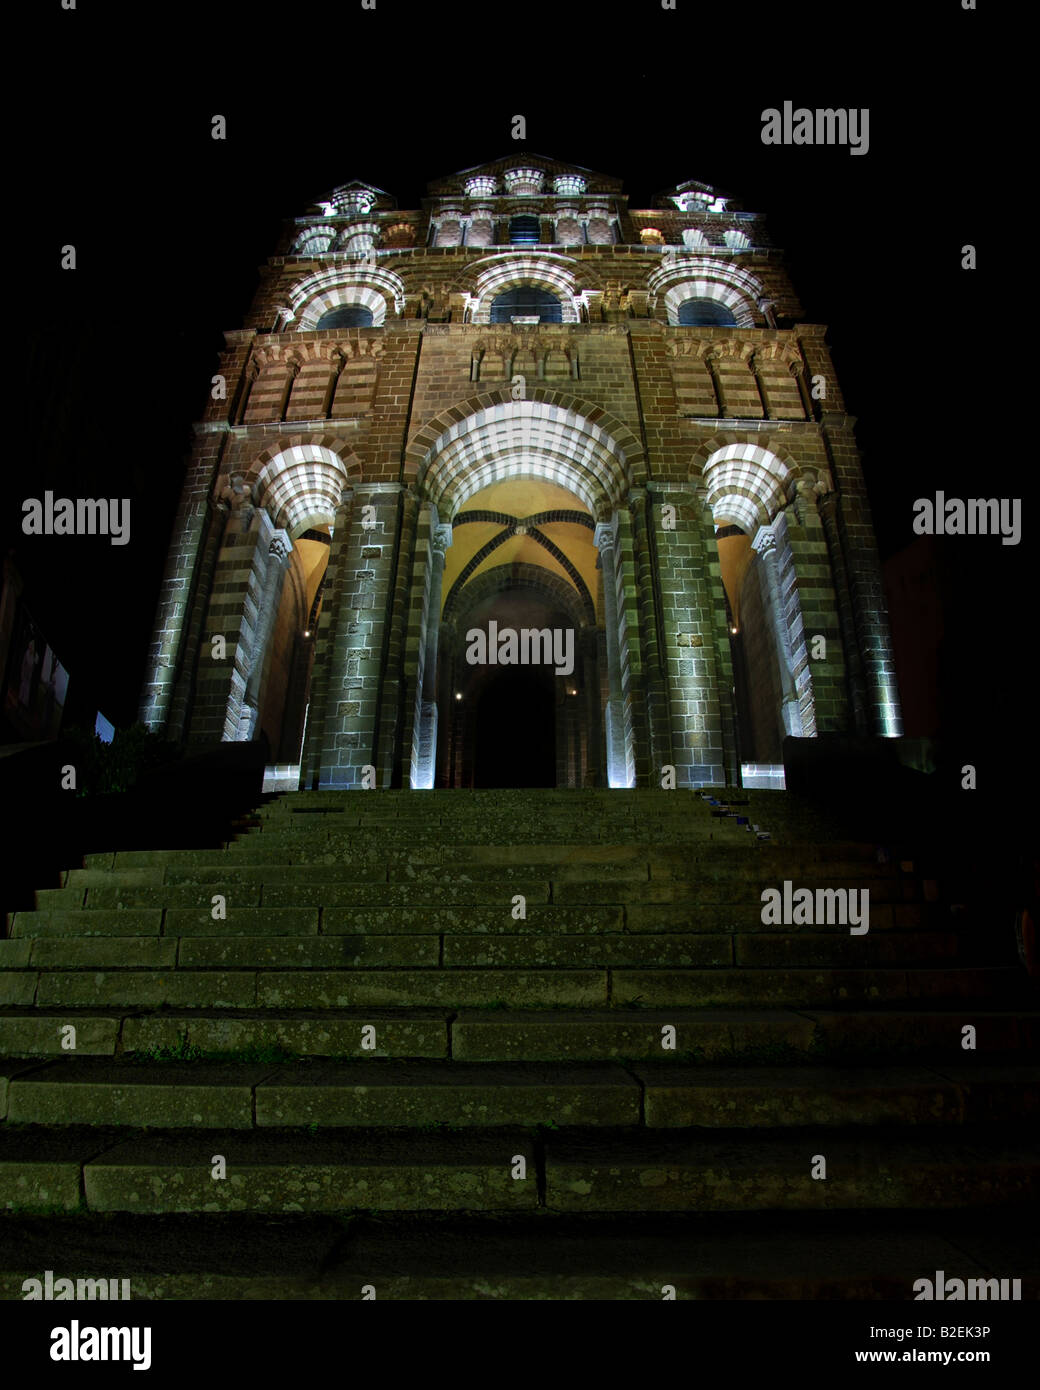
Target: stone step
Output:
[(506, 1169), (720, 1097), (716, 1034), (523, 1257), (562, 937), (856, 1036), (410, 1094), (773, 1171), (524, 987), (377, 1094)]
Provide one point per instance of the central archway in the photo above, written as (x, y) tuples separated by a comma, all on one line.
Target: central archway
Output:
[(588, 461)]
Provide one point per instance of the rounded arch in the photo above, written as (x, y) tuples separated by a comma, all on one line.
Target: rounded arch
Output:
[(560, 438), (746, 484), (498, 274), (300, 485), (315, 241), (365, 286), (703, 277)]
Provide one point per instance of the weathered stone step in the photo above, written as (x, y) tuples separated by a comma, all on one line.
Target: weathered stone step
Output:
[(502, 1169), (773, 1171), (720, 1097), (377, 1094), (411, 1094), (524, 987), (524, 1257), (715, 1034), (673, 1035), (274, 1171)]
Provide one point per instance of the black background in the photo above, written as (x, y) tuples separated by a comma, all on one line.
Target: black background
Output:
[(170, 226)]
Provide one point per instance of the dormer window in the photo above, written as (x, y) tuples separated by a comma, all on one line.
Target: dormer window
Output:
[(481, 187), (524, 181), (568, 185)]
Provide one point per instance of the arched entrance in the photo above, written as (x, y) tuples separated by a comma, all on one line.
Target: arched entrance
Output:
[(520, 499), (518, 683)]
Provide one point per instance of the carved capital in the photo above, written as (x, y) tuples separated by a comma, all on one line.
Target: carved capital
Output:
[(281, 547), (764, 542), (605, 535)]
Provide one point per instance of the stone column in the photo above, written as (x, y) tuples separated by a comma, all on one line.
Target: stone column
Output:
[(359, 598), (644, 520), (617, 758), (278, 551), (764, 544), (827, 505), (711, 361), (440, 539)]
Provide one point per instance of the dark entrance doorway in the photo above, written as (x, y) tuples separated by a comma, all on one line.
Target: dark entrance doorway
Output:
[(515, 729)]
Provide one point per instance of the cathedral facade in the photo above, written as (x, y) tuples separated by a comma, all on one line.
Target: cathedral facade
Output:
[(523, 487)]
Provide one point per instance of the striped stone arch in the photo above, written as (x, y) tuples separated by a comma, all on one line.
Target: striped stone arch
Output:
[(558, 437), (367, 286), (315, 241), (746, 484), (518, 574), (497, 274), (300, 484), (705, 277)]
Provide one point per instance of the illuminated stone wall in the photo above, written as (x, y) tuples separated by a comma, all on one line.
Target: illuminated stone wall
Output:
[(661, 433)]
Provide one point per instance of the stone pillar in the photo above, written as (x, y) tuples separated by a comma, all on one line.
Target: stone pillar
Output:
[(359, 598), (395, 718), (694, 633), (644, 523), (764, 544), (195, 526), (183, 695), (859, 547), (828, 510), (278, 551), (440, 539), (618, 769), (711, 361)]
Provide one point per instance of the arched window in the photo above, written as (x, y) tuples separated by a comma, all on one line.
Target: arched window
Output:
[(526, 302), (705, 313), (524, 230), (346, 316)]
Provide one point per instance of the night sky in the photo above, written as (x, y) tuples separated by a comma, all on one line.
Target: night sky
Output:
[(170, 227)]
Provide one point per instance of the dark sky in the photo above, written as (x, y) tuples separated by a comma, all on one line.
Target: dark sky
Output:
[(170, 225)]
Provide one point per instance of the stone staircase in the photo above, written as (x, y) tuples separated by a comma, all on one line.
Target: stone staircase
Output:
[(516, 1045)]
